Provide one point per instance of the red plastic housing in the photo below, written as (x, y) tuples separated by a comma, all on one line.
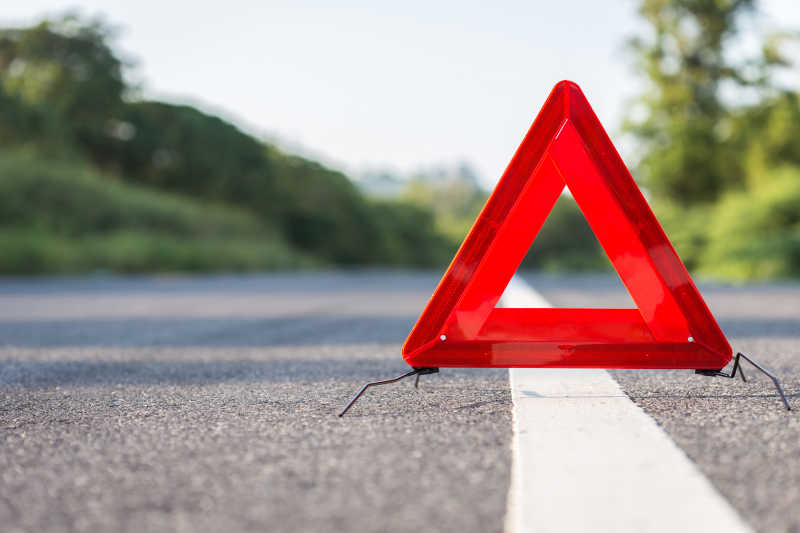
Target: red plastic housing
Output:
[(671, 327)]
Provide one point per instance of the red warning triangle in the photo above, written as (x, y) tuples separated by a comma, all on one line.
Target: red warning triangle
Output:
[(671, 327)]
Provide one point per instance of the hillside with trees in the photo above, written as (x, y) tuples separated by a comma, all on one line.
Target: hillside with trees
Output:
[(93, 177)]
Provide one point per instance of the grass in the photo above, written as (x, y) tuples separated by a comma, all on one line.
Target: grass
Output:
[(61, 217)]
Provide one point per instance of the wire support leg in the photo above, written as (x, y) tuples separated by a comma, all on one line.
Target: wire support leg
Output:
[(737, 366), (416, 372), (769, 374)]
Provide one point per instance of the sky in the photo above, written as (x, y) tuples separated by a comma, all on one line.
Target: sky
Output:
[(380, 85)]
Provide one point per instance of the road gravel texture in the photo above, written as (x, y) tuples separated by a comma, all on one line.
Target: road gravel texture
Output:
[(210, 405)]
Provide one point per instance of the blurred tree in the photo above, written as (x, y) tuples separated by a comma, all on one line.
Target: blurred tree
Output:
[(409, 236), (756, 234), (720, 139), (325, 213), (680, 119), (63, 83), (566, 242), (319, 210), (181, 149), (453, 194), (767, 136), (62, 91)]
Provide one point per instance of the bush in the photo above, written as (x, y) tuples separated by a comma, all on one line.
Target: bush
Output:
[(408, 236), (60, 217), (756, 235), (33, 252), (69, 199)]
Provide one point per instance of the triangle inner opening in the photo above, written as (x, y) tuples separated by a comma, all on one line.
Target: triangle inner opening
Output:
[(567, 265)]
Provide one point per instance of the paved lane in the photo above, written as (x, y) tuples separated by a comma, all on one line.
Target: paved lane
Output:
[(209, 405), (738, 433)]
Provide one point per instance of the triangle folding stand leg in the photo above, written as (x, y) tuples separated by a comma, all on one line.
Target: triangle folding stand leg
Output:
[(417, 372), (711, 373), (737, 366)]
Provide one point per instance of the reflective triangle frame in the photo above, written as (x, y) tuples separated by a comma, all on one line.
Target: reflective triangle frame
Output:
[(671, 327)]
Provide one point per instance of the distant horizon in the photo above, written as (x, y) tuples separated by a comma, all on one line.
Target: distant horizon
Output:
[(392, 88)]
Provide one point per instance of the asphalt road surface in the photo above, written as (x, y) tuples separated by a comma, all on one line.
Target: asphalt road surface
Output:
[(208, 404)]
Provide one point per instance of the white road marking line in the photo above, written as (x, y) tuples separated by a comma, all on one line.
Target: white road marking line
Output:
[(586, 458)]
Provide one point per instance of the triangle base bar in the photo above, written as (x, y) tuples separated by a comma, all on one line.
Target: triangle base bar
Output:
[(566, 354)]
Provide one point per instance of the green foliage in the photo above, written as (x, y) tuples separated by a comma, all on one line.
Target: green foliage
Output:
[(682, 123), (566, 242), (408, 236), (767, 136), (756, 235), (724, 175), (455, 203), (64, 83), (63, 97), (30, 251), (71, 200), (324, 212), (181, 149), (57, 217), (91, 178)]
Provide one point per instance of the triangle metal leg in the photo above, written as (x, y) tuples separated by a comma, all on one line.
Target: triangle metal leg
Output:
[(737, 366), (416, 372)]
